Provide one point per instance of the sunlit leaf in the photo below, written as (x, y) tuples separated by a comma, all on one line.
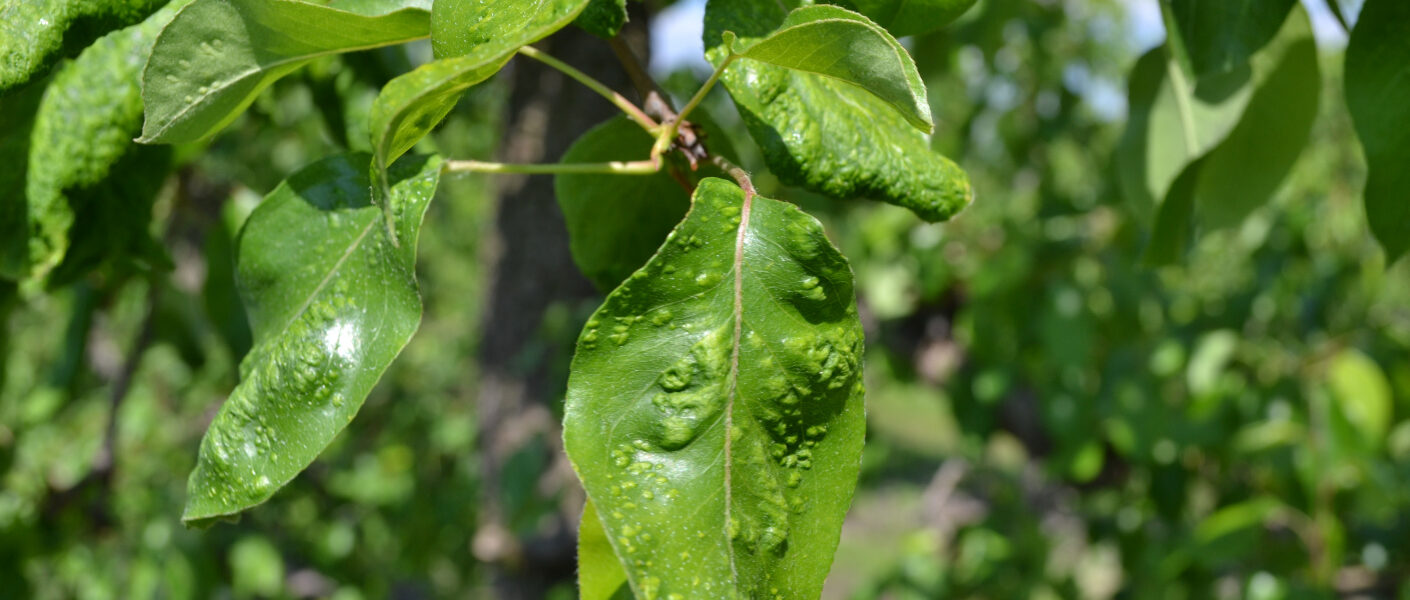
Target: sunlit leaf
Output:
[(459, 27), (217, 55), (600, 574), (829, 136), (714, 408), (1377, 88), (1362, 394), (35, 33), (331, 302)]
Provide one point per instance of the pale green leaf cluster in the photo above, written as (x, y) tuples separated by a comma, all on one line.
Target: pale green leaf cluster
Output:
[(714, 409), (331, 301)]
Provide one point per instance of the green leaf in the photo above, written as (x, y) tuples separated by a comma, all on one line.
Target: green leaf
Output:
[(39, 32), (474, 42), (82, 134), (603, 18), (331, 302), (1362, 395), (1174, 222), (17, 112), (1377, 85), (826, 135), (616, 222), (600, 575), (843, 45), (458, 27), (714, 408), (217, 55), (1245, 170), (910, 17), (1221, 35)]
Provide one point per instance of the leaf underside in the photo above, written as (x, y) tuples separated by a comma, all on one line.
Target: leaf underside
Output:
[(331, 301), (826, 135), (714, 409)]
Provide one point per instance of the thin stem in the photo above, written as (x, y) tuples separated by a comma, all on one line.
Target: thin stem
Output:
[(670, 129), (737, 172), (615, 98), (635, 167)]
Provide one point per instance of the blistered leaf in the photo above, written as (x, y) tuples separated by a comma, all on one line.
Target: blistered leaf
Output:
[(331, 303), (1377, 89), (35, 33), (603, 18), (714, 408), (460, 26), (82, 134), (217, 55), (843, 45), (1221, 35), (910, 17), (600, 574), (616, 222), (826, 135)]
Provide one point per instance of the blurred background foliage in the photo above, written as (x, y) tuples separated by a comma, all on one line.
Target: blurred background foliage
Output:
[(1050, 417)]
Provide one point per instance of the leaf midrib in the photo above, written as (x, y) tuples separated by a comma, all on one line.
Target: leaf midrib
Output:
[(738, 315)]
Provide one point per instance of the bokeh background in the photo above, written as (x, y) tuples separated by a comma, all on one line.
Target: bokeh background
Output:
[(1049, 417)]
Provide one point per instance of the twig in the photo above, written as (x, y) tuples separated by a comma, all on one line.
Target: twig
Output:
[(635, 167)]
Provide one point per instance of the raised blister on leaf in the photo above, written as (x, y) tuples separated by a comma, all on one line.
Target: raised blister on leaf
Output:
[(459, 27), (827, 135), (714, 408), (331, 302), (38, 32), (217, 55)]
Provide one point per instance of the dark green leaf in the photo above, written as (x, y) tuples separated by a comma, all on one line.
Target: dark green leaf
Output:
[(217, 55), (826, 135), (1250, 164), (714, 408), (600, 574), (1174, 223), (82, 133), (331, 302), (1377, 89), (1221, 35), (17, 112), (38, 32), (460, 26), (843, 45), (603, 18), (910, 17), (616, 222)]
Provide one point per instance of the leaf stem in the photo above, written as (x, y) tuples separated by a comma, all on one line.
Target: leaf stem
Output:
[(615, 98), (671, 128), (737, 172), (635, 167)]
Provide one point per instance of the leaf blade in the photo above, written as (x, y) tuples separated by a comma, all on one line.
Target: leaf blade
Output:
[(1377, 82), (38, 32), (459, 27), (331, 303), (212, 61), (910, 17), (732, 359)]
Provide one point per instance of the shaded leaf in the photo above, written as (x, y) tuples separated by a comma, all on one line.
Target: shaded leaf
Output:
[(36, 33), (843, 45), (458, 27), (714, 408), (217, 55), (17, 112), (616, 222), (600, 575), (910, 17), (1221, 35), (1174, 222), (331, 303), (1377, 86), (826, 135), (603, 18)]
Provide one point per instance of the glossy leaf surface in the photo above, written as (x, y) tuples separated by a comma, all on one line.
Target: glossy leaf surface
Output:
[(461, 26), (35, 33), (826, 135), (714, 408), (1222, 35), (331, 303), (217, 55), (616, 222), (603, 18), (1378, 96), (843, 45), (82, 130), (910, 17)]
